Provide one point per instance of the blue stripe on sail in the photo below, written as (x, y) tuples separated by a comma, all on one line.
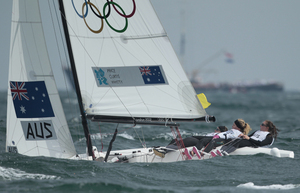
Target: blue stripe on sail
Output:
[(31, 99)]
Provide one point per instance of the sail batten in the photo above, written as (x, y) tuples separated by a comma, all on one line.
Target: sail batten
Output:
[(145, 37), (125, 37)]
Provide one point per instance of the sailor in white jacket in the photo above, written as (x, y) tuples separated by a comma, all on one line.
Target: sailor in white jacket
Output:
[(263, 137), (239, 128)]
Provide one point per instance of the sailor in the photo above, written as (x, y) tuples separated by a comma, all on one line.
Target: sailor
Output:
[(194, 140), (263, 137), (239, 127)]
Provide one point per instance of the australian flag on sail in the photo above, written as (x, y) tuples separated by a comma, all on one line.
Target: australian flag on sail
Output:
[(152, 75), (31, 99)]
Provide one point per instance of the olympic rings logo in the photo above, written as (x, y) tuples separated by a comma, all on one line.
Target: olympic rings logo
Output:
[(108, 4)]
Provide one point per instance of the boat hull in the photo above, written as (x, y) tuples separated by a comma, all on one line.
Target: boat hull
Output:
[(147, 155)]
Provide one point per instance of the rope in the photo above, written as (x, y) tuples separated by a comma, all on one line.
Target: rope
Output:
[(230, 142), (100, 137), (143, 143), (207, 119), (179, 143)]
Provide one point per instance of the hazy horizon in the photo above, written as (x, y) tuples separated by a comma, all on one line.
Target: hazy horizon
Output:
[(262, 36)]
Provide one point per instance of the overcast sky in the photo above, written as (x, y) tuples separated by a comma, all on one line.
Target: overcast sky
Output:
[(263, 37)]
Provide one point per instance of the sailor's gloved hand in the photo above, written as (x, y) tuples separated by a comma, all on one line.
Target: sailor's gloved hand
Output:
[(216, 137)]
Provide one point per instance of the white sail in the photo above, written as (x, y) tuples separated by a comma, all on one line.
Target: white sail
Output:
[(125, 62), (36, 124)]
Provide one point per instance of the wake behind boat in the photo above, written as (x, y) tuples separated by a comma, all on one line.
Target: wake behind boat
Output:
[(124, 70)]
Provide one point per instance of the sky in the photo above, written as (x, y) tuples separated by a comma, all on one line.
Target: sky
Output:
[(263, 37)]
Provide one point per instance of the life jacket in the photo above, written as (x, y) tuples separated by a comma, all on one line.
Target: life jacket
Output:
[(231, 134), (259, 135)]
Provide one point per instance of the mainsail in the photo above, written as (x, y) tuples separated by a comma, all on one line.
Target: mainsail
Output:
[(126, 65), (36, 124)]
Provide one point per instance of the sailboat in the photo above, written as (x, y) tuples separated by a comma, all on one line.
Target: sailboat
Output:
[(124, 69)]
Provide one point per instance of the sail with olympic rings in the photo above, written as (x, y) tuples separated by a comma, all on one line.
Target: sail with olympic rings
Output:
[(125, 62)]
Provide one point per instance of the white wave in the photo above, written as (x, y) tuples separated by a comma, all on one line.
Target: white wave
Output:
[(169, 136), (126, 136), (75, 120), (16, 174), (166, 136), (98, 136), (250, 185)]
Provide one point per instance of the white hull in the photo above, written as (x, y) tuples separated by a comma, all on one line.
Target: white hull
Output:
[(146, 155), (270, 151)]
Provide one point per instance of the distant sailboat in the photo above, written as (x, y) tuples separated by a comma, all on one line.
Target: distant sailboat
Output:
[(124, 69)]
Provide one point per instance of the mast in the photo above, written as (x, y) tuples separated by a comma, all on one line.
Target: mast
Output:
[(77, 87)]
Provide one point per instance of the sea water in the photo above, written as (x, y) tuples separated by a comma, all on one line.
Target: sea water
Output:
[(255, 173)]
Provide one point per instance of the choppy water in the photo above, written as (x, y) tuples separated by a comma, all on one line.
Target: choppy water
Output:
[(258, 173)]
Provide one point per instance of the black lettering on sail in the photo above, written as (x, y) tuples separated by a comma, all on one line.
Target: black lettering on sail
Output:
[(36, 131), (29, 131), (45, 126)]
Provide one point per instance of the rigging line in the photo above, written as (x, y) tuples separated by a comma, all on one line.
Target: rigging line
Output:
[(141, 48), (114, 89), (60, 56), (178, 144), (25, 152), (26, 45), (99, 58), (100, 137), (143, 137), (64, 136), (143, 144), (232, 142)]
